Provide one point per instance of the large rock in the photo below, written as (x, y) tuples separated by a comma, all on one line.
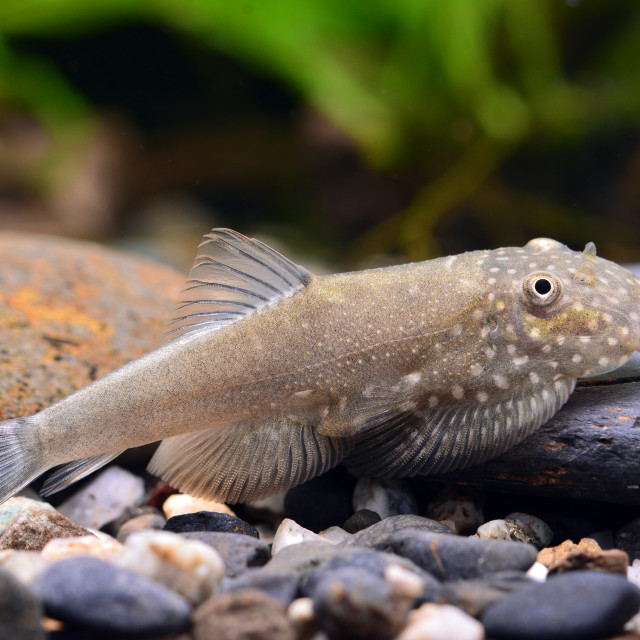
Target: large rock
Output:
[(70, 312)]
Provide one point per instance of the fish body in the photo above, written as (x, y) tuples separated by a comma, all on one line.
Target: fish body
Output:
[(271, 375)]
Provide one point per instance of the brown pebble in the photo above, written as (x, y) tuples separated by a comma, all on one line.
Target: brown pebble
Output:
[(587, 554), (140, 523), (33, 527), (72, 311), (242, 615)]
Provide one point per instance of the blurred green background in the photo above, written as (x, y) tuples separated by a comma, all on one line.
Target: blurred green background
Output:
[(353, 133)]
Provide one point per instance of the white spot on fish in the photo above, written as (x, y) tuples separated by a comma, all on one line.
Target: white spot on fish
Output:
[(520, 361), (534, 377), (433, 401), (457, 392), (612, 341), (511, 349), (476, 369), (603, 361), (577, 358), (501, 382), (584, 338), (482, 396)]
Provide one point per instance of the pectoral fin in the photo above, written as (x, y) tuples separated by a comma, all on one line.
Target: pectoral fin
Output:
[(246, 462), (406, 443)]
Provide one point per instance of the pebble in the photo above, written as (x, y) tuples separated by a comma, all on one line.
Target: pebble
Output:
[(238, 552), (441, 622), (352, 603), (460, 511), (114, 526), (90, 545), (384, 497), (407, 577), (25, 566), (242, 615), (453, 557), (494, 530), (335, 535), (210, 521), (95, 310), (140, 523), (95, 596), (584, 605), (104, 498), (20, 610), (191, 568), (33, 527), (279, 584), (179, 504), (321, 502), (527, 528), (360, 520), (303, 619), (474, 596), (290, 532), (377, 533), (569, 556), (13, 506), (628, 539), (300, 559)]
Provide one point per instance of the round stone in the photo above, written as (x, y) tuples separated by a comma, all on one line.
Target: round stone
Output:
[(580, 605), (93, 595), (378, 533), (360, 520), (242, 614), (210, 521), (72, 311)]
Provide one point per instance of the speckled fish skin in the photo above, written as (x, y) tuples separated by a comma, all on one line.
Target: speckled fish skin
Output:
[(273, 375)]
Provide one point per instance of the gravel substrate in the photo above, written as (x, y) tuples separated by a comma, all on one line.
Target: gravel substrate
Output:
[(369, 565)]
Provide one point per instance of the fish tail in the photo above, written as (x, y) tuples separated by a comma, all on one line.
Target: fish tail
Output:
[(19, 456)]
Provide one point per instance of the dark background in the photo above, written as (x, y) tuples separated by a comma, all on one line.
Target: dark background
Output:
[(349, 134)]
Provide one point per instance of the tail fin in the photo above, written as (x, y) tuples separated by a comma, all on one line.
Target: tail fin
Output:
[(19, 458)]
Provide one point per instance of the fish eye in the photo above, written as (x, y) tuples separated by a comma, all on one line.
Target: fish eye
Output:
[(542, 289)]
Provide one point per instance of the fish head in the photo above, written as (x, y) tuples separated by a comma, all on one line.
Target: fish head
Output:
[(575, 311)]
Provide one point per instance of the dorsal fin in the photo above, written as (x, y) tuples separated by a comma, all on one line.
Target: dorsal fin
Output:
[(232, 277)]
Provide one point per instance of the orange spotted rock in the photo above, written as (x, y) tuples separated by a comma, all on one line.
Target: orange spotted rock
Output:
[(70, 312)]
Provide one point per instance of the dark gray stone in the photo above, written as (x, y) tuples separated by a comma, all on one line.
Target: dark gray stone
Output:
[(352, 603), (378, 533), (374, 562), (20, 610), (279, 584), (210, 521), (459, 558), (302, 558), (475, 596), (95, 596), (360, 520), (239, 552), (578, 605)]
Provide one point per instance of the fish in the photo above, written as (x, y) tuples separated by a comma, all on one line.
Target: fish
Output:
[(270, 375)]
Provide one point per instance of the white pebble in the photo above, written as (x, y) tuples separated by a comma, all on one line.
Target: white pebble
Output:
[(405, 581), (494, 530), (385, 497), (290, 532), (188, 567), (26, 566), (180, 504), (441, 622), (538, 572), (527, 528), (102, 548), (335, 535)]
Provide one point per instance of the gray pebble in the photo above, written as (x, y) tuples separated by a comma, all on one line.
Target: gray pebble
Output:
[(374, 562), (145, 522), (458, 558), (361, 520), (580, 605), (279, 584), (238, 551), (20, 611), (379, 532), (95, 596), (352, 603)]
